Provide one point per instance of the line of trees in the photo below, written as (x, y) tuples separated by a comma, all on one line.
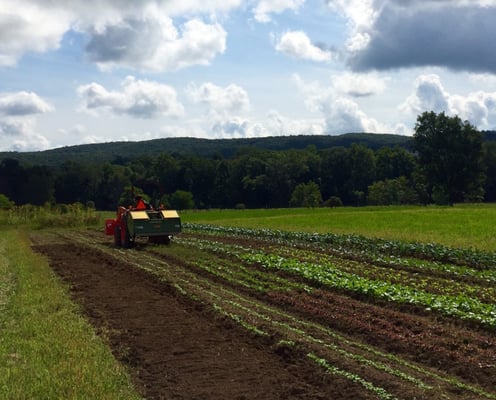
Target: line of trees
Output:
[(449, 163)]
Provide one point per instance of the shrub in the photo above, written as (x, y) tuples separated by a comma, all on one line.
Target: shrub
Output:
[(333, 201)]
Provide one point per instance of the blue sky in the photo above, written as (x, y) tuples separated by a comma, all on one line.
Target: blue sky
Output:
[(88, 71)]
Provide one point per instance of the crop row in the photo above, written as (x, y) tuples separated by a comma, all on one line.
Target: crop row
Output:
[(225, 277), (450, 300), (360, 244)]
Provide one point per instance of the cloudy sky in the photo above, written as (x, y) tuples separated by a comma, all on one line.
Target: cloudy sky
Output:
[(88, 71)]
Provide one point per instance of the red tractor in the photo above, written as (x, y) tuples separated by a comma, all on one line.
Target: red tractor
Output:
[(143, 221)]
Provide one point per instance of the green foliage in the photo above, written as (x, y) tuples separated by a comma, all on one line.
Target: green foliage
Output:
[(467, 226), (51, 216), (260, 172), (47, 349), (333, 201), (128, 196), (181, 200), (328, 273), (123, 152), (392, 192), (450, 155), (306, 195), (490, 164), (5, 203)]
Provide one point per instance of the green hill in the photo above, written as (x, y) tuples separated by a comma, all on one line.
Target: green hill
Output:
[(122, 151)]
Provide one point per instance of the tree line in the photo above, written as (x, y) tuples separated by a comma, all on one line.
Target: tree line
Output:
[(449, 162)]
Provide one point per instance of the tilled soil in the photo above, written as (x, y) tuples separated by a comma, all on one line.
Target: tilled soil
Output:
[(177, 349), (189, 333)]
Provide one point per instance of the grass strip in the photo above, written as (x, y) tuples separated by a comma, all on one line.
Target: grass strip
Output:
[(47, 350)]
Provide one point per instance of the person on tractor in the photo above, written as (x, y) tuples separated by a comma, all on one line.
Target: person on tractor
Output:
[(142, 204)]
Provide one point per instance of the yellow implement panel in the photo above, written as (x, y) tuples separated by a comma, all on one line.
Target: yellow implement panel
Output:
[(169, 214), (139, 215)]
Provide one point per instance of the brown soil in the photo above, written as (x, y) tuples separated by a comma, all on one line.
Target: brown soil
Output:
[(180, 347), (177, 349)]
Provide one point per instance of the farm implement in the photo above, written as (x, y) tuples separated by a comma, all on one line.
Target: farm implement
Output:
[(143, 221)]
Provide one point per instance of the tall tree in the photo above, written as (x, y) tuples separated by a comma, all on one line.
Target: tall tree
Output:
[(393, 162), (451, 157), (362, 172)]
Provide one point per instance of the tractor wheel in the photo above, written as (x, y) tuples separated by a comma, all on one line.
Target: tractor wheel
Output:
[(117, 236), (126, 238)]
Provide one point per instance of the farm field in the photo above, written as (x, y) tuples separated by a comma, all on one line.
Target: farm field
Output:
[(464, 225), (238, 313)]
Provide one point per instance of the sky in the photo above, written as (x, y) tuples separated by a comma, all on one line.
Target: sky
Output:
[(91, 71)]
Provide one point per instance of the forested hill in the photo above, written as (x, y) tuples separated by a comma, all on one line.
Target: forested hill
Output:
[(227, 148)]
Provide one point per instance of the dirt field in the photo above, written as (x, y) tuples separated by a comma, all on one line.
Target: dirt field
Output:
[(189, 333)]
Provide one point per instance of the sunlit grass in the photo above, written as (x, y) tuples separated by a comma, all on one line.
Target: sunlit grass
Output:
[(468, 226), (47, 349)]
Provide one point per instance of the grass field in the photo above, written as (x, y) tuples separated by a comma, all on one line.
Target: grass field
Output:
[(467, 225), (47, 349), (43, 332)]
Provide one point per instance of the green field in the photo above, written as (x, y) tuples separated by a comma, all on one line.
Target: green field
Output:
[(43, 332), (47, 349), (467, 225)]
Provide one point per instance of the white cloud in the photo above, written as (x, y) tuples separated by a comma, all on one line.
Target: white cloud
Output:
[(314, 94), (361, 14), (132, 34), (266, 7), (138, 99), (29, 27), (359, 85), (18, 134), (279, 125), (23, 103), (234, 127), (341, 114), (154, 44), (297, 44), (344, 115), (230, 100), (17, 127), (429, 95), (479, 108)]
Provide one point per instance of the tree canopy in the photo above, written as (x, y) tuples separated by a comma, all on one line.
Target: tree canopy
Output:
[(447, 166), (450, 155)]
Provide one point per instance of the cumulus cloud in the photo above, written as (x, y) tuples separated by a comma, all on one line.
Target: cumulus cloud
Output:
[(279, 125), (341, 113), (19, 134), (133, 34), (17, 127), (264, 8), (298, 45), (154, 44), (137, 99), (479, 108), (398, 34), (29, 27), (344, 115), (234, 127), (23, 103), (429, 95), (359, 85), (230, 100)]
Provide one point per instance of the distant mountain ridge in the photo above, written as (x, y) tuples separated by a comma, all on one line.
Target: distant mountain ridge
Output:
[(123, 151), (112, 151)]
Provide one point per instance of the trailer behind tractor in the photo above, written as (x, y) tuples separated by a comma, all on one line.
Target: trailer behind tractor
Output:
[(142, 221)]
